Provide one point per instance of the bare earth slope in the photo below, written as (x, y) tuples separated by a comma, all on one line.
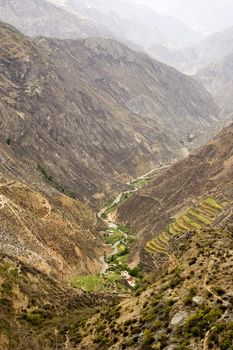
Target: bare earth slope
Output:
[(218, 79), (65, 112), (48, 230), (208, 172)]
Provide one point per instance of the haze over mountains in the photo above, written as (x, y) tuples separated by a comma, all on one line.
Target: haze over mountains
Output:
[(205, 16), (211, 50), (116, 175)]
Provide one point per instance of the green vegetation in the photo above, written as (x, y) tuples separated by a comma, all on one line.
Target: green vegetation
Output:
[(89, 283), (34, 318), (195, 218), (200, 322), (140, 182), (221, 336), (114, 236), (52, 182), (113, 277), (192, 293)]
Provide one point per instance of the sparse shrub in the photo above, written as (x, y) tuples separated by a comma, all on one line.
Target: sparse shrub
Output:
[(219, 291), (34, 318), (148, 337), (192, 293), (201, 321)]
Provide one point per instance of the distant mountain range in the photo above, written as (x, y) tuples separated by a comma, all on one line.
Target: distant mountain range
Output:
[(130, 23), (190, 60), (203, 16)]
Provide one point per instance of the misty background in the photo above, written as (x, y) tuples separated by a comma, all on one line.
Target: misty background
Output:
[(185, 34), (203, 16)]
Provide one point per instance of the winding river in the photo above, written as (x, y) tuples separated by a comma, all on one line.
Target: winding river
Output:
[(104, 214)]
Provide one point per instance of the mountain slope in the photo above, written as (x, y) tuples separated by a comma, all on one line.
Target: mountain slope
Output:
[(187, 304), (218, 79), (39, 17), (133, 22), (37, 311), (162, 96), (67, 117), (47, 230), (206, 174), (208, 52)]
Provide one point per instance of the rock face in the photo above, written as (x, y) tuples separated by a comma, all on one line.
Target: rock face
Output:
[(87, 115), (179, 318)]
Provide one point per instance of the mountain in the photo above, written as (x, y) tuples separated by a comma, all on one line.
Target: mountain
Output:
[(80, 118), (187, 305), (85, 116), (48, 231), (135, 23), (40, 17), (218, 79), (183, 198), (186, 300), (205, 16), (210, 51), (37, 310)]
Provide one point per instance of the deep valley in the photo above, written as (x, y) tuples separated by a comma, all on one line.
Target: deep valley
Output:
[(116, 177)]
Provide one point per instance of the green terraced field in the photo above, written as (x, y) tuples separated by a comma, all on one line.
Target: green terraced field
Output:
[(89, 283), (194, 218)]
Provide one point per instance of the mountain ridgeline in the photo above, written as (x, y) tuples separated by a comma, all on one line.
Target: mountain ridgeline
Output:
[(116, 185), (88, 115)]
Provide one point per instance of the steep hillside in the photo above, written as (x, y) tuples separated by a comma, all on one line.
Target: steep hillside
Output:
[(86, 115), (162, 98), (218, 79), (37, 312), (186, 303), (185, 197), (187, 307), (40, 17), (47, 230)]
